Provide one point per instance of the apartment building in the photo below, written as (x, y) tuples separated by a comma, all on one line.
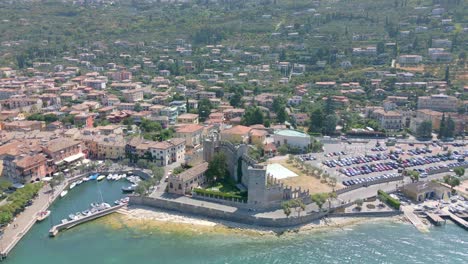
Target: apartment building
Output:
[(438, 102)]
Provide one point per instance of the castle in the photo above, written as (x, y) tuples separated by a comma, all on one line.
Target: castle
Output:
[(264, 191)]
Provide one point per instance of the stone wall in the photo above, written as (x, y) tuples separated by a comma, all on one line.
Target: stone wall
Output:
[(239, 217), (366, 184), (367, 214), (231, 202)]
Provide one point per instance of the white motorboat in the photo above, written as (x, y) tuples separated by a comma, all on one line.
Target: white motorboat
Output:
[(72, 217), (79, 182), (72, 185), (62, 194), (42, 215), (100, 178)]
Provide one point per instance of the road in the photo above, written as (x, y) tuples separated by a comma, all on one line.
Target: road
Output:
[(23, 221)]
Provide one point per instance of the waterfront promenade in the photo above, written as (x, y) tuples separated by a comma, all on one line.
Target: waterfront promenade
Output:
[(13, 233)]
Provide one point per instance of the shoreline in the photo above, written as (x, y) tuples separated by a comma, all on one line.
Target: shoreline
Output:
[(146, 218)]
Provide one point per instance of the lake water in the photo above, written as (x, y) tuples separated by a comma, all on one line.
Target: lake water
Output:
[(96, 242)]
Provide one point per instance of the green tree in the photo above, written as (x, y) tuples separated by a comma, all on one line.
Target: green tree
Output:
[(424, 130), (278, 104), (142, 188), (319, 199), (281, 115), (236, 100), (414, 175), (452, 181), (283, 149), (329, 107), (217, 168), (380, 47), (447, 74), (204, 109), (442, 129), (158, 172), (459, 171), (296, 204), (329, 125), (138, 107), (253, 115), (450, 128), (316, 120)]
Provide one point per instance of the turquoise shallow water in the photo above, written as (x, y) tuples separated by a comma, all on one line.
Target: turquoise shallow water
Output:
[(95, 243)]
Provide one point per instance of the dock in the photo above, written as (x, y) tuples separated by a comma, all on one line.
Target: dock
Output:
[(57, 228), (435, 219), (15, 231), (414, 219), (457, 220)]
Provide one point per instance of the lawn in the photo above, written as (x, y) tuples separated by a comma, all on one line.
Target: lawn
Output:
[(227, 186)]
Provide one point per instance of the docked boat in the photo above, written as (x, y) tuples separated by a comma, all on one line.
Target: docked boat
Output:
[(85, 179), (128, 189), (93, 177), (42, 215), (117, 202), (100, 178), (79, 182), (72, 185), (72, 217), (109, 177), (86, 213), (62, 194), (125, 200)]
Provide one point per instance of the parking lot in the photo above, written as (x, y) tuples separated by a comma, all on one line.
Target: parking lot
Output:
[(373, 160)]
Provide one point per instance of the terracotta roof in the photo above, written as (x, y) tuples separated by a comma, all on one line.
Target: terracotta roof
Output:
[(187, 115), (258, 132), (189, 128), (237, 130), (168, 144), (60, 143), (192, 172), (30, 160)]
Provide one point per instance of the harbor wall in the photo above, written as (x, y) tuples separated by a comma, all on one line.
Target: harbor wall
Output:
[(239, 217), (55, 229), (367, 214)]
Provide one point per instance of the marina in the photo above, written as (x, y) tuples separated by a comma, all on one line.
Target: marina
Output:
[(69, 224), (45, 202)]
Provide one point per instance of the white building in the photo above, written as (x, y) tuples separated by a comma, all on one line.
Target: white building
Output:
[(168, 152), (292, 138)]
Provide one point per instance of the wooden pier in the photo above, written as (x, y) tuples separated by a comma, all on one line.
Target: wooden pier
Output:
[(435, 219), (458, 221), (57, 228)]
